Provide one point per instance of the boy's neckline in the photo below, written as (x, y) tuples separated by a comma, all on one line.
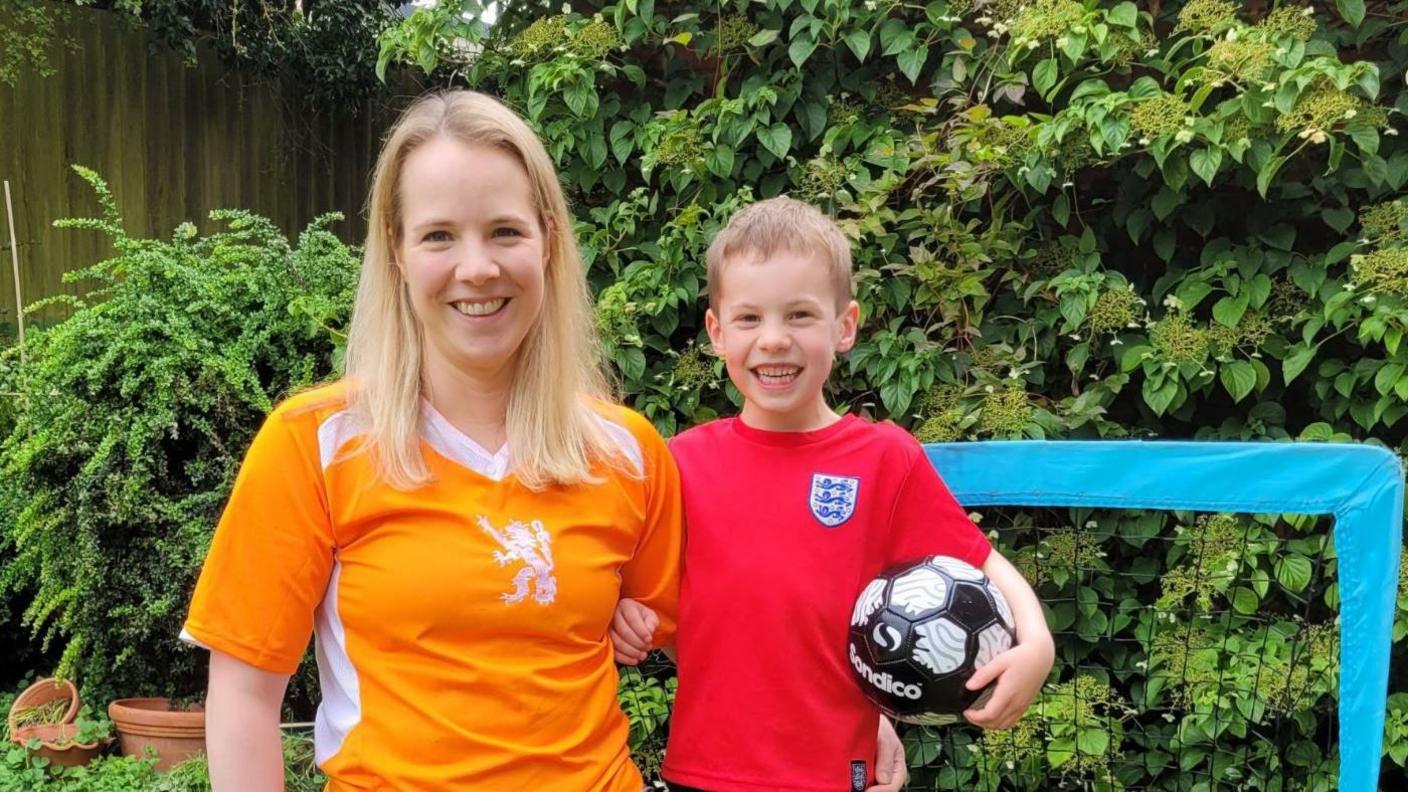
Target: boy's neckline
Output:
[(774, 438)]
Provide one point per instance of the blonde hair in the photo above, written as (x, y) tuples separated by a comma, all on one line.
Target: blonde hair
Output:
[(552, 424), (777, 225)]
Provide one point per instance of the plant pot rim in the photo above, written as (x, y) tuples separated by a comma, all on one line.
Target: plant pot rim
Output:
[(24, 734), (142, 715), (37, 693)]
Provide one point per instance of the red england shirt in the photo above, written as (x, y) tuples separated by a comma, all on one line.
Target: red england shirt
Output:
[(782, 530)]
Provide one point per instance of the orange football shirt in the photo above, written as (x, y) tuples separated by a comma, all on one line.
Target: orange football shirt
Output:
[(461, 627)]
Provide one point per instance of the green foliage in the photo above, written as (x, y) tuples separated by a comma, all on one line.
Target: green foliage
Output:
[(1194, 652), (646, 700), (20, 771), (29, 30), (132, 416)]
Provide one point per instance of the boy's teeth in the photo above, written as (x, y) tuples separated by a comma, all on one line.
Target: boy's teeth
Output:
[(479, 308), (777, 375)]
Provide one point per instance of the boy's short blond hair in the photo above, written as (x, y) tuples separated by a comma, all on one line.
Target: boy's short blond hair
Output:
[(777, 225)]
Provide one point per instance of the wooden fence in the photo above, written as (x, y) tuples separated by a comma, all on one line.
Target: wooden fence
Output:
[(173, 141)]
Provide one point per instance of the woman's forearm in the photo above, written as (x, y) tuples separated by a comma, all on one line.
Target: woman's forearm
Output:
[(242, 739)]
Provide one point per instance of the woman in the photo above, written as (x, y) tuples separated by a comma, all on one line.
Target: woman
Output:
[(458, 518)]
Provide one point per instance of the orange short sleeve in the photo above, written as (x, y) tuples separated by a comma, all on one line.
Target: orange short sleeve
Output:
[(270, 560), (652, 576)]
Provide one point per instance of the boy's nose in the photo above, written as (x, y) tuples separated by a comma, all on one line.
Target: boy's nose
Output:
[(774, 338)]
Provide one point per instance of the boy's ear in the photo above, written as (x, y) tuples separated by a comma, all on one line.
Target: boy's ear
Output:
[(715, 330), (850, 322)]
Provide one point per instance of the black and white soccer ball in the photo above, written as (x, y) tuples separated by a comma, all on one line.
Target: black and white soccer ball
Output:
[(920, 630)]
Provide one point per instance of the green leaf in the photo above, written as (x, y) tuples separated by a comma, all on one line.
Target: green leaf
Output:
[(622, 142), (1125, 14), (1075, 359), (1165, 202), (1238, 377), (1061, 209), (912, 60), (895, 38), (1164, 242), (1268, 172), (1338, 218), (1387, 378), (763, 38), (1073, 308), (1138, 221), (1258, 290), (1160, 396), (801, 48), (1044, 76), (721, 163), (1192, 292), (1294, 572), (859, 42), (1295, 362), (1245, 601), (1228, 310), (1205, 163), (1060, 751), (777, 139), (1351, 10), (1093, 741), (1366, 138), (1339, 252), (1133, 357)]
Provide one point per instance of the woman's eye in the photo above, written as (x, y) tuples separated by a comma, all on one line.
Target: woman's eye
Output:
[(506, 232), (437, 236)]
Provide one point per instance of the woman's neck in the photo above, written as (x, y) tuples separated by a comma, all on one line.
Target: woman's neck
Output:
[(477, 406)]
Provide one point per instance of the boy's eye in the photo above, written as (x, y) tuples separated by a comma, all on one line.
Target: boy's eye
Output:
[(746, 318), (800, 315)]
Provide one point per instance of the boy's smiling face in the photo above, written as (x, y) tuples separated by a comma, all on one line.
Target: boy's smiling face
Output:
[(779, 329)]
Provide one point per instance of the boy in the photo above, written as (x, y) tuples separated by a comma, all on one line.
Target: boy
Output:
[(766, 698)]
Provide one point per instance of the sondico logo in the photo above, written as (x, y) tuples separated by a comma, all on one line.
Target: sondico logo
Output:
[(884, 681), (886, 637)]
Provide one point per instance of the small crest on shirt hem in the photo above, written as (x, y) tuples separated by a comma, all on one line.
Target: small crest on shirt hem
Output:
[(833, 498)]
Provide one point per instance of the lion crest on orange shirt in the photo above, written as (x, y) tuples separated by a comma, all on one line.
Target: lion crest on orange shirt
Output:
[(531, 546)]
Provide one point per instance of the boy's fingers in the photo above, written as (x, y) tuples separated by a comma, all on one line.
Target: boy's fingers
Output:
[(986, 674), (629, 626), (641, 623)]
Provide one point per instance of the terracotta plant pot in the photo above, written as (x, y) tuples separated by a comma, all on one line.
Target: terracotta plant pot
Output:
[(56, 743), (44, 692), (174, 735)]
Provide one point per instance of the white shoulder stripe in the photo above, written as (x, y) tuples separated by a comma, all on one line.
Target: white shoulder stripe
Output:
[(626, 441), (338, 430)]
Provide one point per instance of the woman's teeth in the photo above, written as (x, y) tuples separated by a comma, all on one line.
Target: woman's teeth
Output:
[(479, 308)]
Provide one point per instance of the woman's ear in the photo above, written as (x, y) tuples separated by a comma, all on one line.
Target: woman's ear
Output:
[(392, 248)]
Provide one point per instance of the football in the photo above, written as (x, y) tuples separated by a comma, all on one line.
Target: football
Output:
[(919, 631)]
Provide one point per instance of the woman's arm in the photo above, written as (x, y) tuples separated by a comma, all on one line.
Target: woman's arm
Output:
[(242, 739)]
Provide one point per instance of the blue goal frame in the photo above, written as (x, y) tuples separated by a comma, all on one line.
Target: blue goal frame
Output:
[(1361, 486)]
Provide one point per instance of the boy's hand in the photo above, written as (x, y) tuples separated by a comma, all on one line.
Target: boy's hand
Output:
[(633, 628), (1020, 673), (890, 770)]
